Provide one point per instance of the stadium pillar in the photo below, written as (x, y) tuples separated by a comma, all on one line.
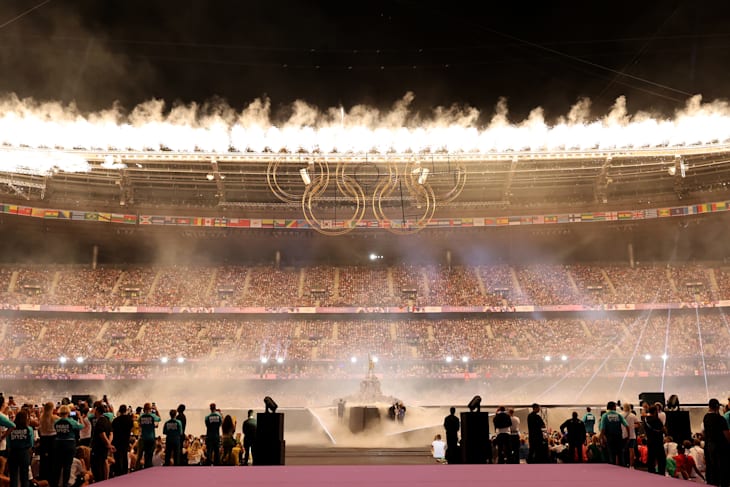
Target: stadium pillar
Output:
[(277, 259), (448, 259), (630, 248), (94, 256)]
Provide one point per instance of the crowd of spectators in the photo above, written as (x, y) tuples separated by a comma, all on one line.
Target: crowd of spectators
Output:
[(374, 286), (678, 343)]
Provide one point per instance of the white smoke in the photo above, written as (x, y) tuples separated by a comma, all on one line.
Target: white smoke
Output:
[(215, 127)]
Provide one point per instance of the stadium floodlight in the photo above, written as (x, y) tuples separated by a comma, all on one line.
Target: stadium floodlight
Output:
[(563, 358), (665, 356), (305, 176), (548, 358), (209, 177), (180, 360), (373, 256), (353, 359), (264, 360), (279, 360), (374, 359), (62, 359), (79, 360), (647, 357), (164, 360), (449, 359), (423, 176), (465, 359)]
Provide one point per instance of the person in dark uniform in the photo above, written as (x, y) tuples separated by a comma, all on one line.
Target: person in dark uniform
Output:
[(213, 423), (181, 417), (249, 436), (535, 434), (717, 445), (147, 424), (173, 431), (65, 446), (101, 444), (575, 430), (452, 426), (19, 444), (122, 430)]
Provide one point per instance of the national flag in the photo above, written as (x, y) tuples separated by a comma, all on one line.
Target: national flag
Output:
[(221, 221), (373, 224), (455, 222), (37, 212), (360, 224), (130, 219), (64, 214), (183, 220), (278, 223), (467, 222), (91, 216), (551, 219), (664, 212), (611, 216), (145, 220), (523, 220), (638, 214), (538, 219), (78, 215), (267, 223), (441, 222), (208, 222), (574, 217), (720, 206), (197, 221), (678, 210), (158, 220), (502, 220), (625, 215), (490, 222), (51, 214), (105, 217), (117, 218), (255, 223), (651, 213), (703, 208), (12, 209), (478, 222), (564, 218), (327, 224)]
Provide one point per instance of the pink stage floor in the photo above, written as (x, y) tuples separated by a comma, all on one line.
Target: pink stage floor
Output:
[(394, 476)]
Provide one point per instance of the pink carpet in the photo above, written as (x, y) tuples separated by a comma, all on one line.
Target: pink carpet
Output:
[(394, 475)]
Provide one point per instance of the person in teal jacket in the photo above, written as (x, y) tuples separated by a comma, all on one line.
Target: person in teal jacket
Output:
[(147, 424), (19, 443), (173, 431), (65, 445), (213, 423)]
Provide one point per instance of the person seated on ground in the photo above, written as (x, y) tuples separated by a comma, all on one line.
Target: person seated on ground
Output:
[(438, 449), (686, 465), (594, 452), (80, 476)]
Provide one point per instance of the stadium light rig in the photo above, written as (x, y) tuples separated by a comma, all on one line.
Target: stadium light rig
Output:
[(62, 359), (164, 360), (80, 360)]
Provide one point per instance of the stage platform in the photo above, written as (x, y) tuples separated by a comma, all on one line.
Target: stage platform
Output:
[(523, 475)]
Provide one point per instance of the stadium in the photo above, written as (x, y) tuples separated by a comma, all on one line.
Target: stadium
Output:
[(343, 261)]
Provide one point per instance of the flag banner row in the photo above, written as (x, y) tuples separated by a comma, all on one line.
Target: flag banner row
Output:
[(301, 224)]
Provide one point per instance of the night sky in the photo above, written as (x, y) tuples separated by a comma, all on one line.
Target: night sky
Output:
[(334, 53)]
